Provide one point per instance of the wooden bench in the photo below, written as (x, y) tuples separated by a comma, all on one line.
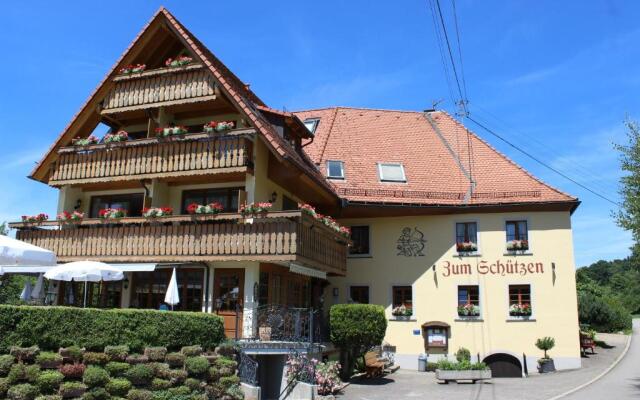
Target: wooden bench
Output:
[(373, 366), (587, 343)]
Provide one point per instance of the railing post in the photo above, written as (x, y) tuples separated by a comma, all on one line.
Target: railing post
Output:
[(237, 314), (311, 325)]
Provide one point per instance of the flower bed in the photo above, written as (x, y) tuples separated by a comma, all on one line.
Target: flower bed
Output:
[(171, 131), (70, 217), (515, 245), (35, 219), (180, 61), (325, 376), (255, 208), (520, 310), (112, 213), (132, 69), (120, 136), (218, 126), (85, 141), (468, 310), (155, 212), (212, 208)]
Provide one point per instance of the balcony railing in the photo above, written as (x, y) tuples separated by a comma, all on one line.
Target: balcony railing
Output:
[(279, 323), (184, 155), (280, 236), (160, 87)]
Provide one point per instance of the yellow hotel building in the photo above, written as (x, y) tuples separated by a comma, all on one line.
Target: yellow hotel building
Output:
[(462, 246)]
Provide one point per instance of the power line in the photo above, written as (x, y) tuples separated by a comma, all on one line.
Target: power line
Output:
[(534, 158), (439, 41), (455, 19)]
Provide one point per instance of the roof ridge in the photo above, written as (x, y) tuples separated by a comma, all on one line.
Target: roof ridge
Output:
[(359, 108), (507, 158)]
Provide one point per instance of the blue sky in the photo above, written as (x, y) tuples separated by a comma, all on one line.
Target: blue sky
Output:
[(557, 78)]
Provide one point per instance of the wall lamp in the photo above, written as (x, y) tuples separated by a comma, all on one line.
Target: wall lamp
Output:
[(274, 197)]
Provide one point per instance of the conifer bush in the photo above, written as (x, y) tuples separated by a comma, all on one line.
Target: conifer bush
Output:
[(117, 368), (23, 391), (118, 386), (49, 381), (95, 376)]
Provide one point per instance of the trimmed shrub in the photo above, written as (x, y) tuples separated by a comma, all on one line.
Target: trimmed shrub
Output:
[(49, 381), (55, 327), (160, 384), (214, 374), (97, 394), (49, 360), (228, 348), (73, 353), (160, 370), (6, 361), (117, 353), (116, 368), (139, 394), (180, 391), (95, 376), (72, 389), (49, 397), (24, 391), (192, 351), (155, 353), (228, 381), (24, 353), (140, 375), (432, 366), (91, 358), (355, 328), (20, 372), (178, 376), (463, 354), (72, 371), (137, 359), (223, 362), (175, 360), (4, 386), (118, 386), (194, 384), (196, 366)]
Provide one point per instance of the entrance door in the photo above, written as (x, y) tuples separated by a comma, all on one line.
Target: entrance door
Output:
[(228, 294), (504, 366)]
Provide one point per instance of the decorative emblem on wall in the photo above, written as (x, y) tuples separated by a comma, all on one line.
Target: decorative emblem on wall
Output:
[(411, 243)]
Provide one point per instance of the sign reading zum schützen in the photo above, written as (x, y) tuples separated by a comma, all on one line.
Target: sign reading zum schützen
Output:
[(499, 267)]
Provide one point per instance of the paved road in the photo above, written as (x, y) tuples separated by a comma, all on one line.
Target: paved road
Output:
[(623, 381)]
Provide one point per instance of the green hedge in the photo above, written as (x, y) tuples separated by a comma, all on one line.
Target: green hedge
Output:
[(55, 327)]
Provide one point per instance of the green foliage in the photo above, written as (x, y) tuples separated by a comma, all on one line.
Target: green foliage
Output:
[(155, 353), (463, 354), (196, 366), (11, 286), (175, 359), (49, 381), (73, 352), (192, 351), (628, 217), (446, 365), (70, 389), (97, 394), (431, 366), (118, 386), (355, 328), (193, 384), (53, 327), (4, 386), (21, 372), (160, 384), (6, 361), (72, 371), (92, 358), (224, 362), (139, 394), (600, 309), (137, 359), (49, 397), (117, 353), (24, 353), (228, 348), (178, 376), (228, 381), (116, 368), (140, 374), (95, 376), (24, 391), (180, 391), (160, 370)]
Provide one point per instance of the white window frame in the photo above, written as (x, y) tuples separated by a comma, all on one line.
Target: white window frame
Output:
[(412, 317), (476, 253), (397, 164), (315, 121), (532, 317), (480, 317), (529, 230), (341, 169)]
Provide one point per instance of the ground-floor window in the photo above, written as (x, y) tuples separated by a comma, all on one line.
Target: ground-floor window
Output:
[(468, 301), (99, 294), (150, 288), (359, 294), (279, 286), (520, 300), (403, 297)]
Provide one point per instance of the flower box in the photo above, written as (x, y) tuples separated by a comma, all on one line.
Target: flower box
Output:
[(469, 310), (85, 141), (546, 365), (35, 219), (255, 208), (120, 136), (70, 217), (466, 247), (132, 69), (200, 209), (112, 213), (156, 212), (178, 62), (469, 375), (520, 310), (171, 131), (218, 126), (402, 312), (517, 245)]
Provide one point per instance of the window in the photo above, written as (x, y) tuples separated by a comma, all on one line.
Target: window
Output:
[(133, 203), (228, 197), (312, 124), (149, 288), (466, 237), (289, 204), (403, 297), (520, 300), (391, 172), (468, 301), (359, 294), (517, 235), (360, 239), (335, 169)]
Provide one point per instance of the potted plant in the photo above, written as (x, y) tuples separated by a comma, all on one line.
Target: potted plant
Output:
[(84, 141), (218, 126), (155, 212), (71, 217), (112, 213), (199, 209), (132, 69), (402, 312), (171, 130), (546, 364), (466, 247), (463, 370), (517, 245), (178, 62), (35, 219), (308, 209), (468, 310), (120, 136), (255, 208), (520, 310)]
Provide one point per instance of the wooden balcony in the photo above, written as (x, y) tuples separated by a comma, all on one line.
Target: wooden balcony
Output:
[(281, 236), (160, 87), (185, 155)]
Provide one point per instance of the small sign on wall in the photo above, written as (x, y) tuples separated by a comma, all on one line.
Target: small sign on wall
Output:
[(416, 332)]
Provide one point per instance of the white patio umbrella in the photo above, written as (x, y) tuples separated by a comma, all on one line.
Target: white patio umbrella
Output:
[(1, 271), (38, 289), (26, 291), (172, 297), (16, 252), (85, 271)]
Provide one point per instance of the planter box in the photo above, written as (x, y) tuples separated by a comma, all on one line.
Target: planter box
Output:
[(546, 366), (473, 376)]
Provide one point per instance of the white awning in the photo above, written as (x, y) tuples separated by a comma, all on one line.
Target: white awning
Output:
[(135, 267), (36, 269), (314, 273)]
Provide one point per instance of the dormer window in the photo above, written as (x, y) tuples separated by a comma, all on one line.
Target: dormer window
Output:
[(391, 172), (311, 124), (335, 169)]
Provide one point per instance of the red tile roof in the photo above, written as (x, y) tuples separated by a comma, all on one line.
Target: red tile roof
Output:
[(435, 151)]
